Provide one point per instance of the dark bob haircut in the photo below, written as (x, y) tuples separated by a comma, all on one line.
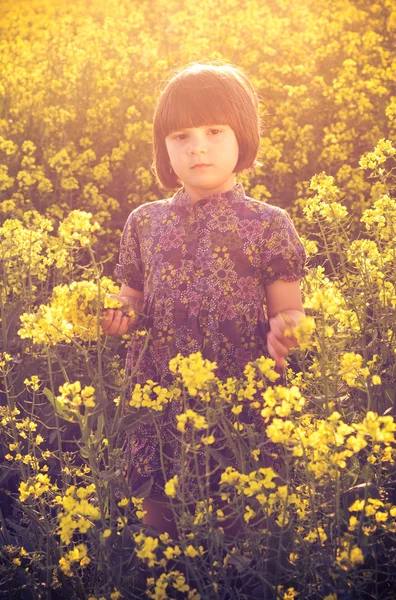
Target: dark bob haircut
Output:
[(203, 94)]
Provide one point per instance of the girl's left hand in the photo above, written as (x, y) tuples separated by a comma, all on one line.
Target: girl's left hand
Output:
[(278, 343)]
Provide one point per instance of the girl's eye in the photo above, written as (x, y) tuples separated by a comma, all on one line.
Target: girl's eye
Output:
[(182, 136)]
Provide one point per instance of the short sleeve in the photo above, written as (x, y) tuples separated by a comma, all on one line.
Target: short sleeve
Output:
[(130, 269), (284, 256)]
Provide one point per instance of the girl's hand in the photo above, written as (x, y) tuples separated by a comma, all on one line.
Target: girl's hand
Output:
[(115, 321), (280, 337)]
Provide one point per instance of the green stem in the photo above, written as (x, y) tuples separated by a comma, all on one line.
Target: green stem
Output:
[(57, 422), (4, 327), (96, 269)]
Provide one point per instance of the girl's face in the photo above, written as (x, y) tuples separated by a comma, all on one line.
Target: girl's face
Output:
[(214, 146)]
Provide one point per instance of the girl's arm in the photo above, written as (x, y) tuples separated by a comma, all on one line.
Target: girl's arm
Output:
[(284, 308), (115, 322)]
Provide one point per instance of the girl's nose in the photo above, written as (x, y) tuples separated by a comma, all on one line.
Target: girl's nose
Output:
[(197, 145)]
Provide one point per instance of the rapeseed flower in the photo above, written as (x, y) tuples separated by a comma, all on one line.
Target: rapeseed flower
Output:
[(78, 513), (194, 371), (71, 313), (35, 487), (78, 554), (382, 151), (191, 417), (171, 487), (152, 395), (146, 547), (77, 227)]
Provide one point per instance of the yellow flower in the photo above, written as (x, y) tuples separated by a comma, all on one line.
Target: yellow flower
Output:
[(78, 514), (249, 514), (279, 431), (146, 547), (191, 552), (315, 535), (207, 440), (152, 396), (194, 371), (197, 421), (77, 554), (351, 367), (383, 150), (255, 454), (65, 566), (72, 312), (172, 552), (77, 227), (123, 502), (171, 487), (381, 516), (266, 368), (33, 382), (356, 556)]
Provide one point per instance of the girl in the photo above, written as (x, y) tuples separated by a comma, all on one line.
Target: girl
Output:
[(200, 266)]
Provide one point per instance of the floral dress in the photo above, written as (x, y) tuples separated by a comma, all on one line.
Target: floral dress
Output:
[(203, 268)]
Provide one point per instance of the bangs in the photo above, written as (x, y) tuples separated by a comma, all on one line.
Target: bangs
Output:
[(194, 105)]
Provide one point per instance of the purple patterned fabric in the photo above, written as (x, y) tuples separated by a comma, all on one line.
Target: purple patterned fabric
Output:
[(203, 268)]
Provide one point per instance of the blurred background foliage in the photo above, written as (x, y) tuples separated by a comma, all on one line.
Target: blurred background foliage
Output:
[(79, 82)]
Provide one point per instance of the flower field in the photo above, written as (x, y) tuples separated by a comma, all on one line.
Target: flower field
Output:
[(307, 469)]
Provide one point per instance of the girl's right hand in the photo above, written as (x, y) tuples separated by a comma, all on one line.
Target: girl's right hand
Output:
[(115, 322)]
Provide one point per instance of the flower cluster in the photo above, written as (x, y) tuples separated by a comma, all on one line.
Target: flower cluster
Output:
[(71, 313), (194, 371), (353, 372), (382, 151), (324, 204), (195, 420), (381, 218), (326, 445), (152, 395), (160, 589), (78, 511), (36, 486), (78, 554), (78, 228), (72, 395)]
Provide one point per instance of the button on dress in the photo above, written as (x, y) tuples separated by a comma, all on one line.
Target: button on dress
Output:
[(203, 268)]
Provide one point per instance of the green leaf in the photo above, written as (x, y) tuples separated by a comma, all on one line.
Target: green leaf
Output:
[(223, 460), (143, 491), (84, 453), (135, 420), (107, 475), (99, 430)]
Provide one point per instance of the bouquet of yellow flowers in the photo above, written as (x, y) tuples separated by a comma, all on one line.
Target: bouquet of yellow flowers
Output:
[(73, 312)]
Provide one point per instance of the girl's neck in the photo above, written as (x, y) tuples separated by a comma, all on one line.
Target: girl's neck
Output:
[(199, 193)]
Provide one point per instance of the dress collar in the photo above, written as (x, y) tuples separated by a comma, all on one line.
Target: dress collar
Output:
[(183, 199)]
